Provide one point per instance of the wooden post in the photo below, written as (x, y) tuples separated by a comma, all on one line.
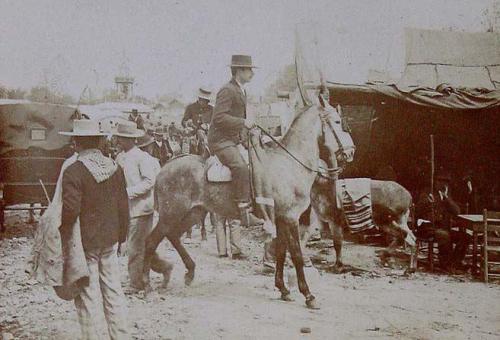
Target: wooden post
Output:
[(485, 245), (432, 180)]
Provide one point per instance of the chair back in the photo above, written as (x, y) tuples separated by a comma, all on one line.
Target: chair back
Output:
[(491, 244)]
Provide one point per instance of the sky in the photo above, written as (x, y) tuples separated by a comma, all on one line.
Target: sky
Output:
[(176, 46)]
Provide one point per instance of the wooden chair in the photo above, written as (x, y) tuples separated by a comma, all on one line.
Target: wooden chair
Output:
[(491, 245), (425, 245)]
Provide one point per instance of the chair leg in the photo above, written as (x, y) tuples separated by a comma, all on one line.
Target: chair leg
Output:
[(431, 255), (485, 245)]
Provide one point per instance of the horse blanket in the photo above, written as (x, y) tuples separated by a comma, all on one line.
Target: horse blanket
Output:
[(354, 197)]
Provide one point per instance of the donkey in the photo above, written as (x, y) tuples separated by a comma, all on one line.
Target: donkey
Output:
[(184, 195), (391, 204)]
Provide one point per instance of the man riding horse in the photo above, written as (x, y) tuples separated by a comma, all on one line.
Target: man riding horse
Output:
[(197, 118), (229, 121)]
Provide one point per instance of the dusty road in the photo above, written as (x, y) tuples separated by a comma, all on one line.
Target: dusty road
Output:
[(234, 300)]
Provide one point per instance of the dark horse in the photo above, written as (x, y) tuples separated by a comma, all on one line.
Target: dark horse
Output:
[(184, 196)]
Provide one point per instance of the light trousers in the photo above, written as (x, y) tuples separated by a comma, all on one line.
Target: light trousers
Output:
[(221, 226), (103, 268)]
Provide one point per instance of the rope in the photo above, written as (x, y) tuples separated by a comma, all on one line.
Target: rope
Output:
[(335, 171)]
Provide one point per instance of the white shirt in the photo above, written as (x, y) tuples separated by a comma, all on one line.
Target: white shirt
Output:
[(241, 87), (140, 170)]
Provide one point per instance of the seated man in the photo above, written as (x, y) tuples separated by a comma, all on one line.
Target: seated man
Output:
[(228, 121), (452, 244)]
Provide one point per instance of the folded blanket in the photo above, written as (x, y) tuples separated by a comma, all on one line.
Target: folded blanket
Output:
[(66, 270), (354, 195)]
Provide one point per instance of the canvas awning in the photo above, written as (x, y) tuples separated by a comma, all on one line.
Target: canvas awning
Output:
[(454, 70), (460, 59)]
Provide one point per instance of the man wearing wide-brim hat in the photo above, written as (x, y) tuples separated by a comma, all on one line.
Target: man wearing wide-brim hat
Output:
[(140, 171), (93, 190), (228, 121)]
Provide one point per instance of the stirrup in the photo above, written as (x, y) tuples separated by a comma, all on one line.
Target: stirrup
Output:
[(247, 218)]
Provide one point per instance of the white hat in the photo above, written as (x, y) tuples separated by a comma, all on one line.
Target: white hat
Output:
[(128, 129), (84, 127), (203, 93)]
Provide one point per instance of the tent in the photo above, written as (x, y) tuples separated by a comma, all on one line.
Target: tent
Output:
[(450, 89), (31, 149)]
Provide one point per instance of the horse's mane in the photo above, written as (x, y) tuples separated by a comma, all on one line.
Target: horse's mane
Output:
[(297, 116)]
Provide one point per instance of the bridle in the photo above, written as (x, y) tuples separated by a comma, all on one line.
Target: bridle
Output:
[(329, 173)]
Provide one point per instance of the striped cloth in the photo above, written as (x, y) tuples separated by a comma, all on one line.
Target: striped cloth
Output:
[(354, 195)]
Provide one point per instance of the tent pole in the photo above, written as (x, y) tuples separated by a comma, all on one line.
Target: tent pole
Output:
[(432, 179)]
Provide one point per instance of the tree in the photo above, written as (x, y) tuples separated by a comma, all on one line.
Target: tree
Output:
[(45, 95)]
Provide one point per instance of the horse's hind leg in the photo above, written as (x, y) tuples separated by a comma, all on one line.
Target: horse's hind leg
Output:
[(203, 229), (151, 256), (281, 244), (174, 235), (298, 262), (338, 238)]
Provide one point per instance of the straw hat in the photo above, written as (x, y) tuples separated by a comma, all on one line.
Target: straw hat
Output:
[(238, 60), (84, 128), (128, 129)]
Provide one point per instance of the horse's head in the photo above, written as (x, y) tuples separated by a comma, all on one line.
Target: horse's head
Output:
[(335, 142)]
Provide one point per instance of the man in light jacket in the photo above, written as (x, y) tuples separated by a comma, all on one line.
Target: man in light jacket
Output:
[(140, 171)]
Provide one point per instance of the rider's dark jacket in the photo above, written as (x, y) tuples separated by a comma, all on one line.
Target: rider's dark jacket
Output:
[(228, 118)]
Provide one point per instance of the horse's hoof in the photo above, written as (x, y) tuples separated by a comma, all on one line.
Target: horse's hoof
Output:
[(286, 297), (147, 289), (311, 303), (338, 268), (188, 278), (409, 271), (166, 279)]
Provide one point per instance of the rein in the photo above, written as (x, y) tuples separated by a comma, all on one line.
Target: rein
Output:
[(336, 171)]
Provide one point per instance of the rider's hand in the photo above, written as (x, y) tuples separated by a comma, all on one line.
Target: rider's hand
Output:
[(249, 122)]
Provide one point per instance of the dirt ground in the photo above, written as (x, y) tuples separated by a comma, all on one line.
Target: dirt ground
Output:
[(235, 300)]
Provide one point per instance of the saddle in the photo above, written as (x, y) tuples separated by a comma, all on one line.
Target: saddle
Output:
[(215, 171)]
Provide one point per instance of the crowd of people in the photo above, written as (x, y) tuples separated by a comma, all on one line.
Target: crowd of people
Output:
[(112, 197)]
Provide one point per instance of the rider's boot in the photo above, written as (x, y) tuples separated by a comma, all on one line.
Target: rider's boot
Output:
[(247, 218)]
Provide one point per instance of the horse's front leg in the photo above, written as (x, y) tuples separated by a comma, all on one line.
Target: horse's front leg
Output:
[(281, 245), (298, 262)]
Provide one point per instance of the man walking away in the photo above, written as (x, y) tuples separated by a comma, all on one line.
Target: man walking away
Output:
[(93, 190)]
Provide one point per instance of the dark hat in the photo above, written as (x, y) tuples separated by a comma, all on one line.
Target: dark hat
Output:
[(158, 131), (238, 60)]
